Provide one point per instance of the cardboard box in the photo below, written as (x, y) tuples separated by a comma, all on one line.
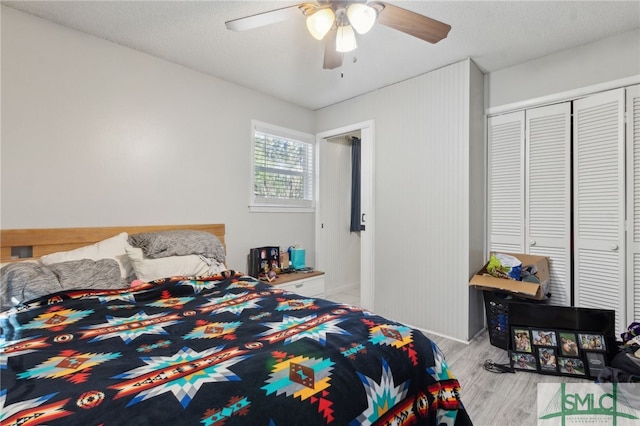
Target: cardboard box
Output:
[(483, 281)]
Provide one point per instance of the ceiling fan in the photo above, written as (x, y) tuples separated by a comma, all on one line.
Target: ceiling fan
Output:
[(335, 22)]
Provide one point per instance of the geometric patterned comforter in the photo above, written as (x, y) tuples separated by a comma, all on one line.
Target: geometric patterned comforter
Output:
[(222, 350)]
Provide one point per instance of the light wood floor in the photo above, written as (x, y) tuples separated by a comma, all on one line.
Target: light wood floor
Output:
[(491, 399)]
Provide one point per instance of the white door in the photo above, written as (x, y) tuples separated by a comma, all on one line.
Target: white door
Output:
[(325, 244), (633, 204), (548, 193), (599, 207), (506, 182)]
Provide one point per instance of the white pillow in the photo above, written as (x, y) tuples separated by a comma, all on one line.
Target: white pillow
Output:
[(2, 265), (152, 269), (111, 248)]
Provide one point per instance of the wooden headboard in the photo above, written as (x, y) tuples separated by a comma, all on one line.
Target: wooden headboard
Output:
[(39, 242)]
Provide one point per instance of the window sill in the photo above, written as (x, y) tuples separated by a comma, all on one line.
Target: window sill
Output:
[(281, 209)]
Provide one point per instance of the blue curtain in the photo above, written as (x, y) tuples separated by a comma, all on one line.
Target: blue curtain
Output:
[(355, 184)]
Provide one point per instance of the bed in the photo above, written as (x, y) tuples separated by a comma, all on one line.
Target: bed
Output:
[(209, 348)]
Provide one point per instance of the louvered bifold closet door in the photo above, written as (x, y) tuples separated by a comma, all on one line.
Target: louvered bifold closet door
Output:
[(633, 204), (598, 160), (548, 193), (506, 181)]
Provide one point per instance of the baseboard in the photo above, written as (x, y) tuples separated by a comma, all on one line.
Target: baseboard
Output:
[(342, 289), (425, 331), (478, 334)]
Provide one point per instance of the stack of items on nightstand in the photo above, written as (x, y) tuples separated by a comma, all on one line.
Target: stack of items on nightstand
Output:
[(625, 365)]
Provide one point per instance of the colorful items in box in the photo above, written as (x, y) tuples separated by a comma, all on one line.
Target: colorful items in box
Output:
[(504, 266)]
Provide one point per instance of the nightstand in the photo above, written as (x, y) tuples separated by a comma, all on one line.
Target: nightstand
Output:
[(308, 284)]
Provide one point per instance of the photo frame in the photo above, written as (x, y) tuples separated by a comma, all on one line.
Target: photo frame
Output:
[(261, 260), (571, 366), (269, 259), (595, 362), (521, 339), (548, 359), (544, 338), (568, 344), (557, 351), (592, 342), (524, 361)]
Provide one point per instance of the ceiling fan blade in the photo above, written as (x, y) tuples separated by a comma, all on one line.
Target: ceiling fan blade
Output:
[(412, 23), (332, 58), (265, 18)]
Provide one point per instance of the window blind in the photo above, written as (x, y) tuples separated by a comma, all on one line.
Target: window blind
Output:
[(282, 169)]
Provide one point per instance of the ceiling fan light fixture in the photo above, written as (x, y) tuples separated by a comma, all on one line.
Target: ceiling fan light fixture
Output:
[(345, 39), (361, 17), (320, 23)]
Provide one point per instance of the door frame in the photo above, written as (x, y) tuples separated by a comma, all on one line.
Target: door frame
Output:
[(632, 245), (367, 240)]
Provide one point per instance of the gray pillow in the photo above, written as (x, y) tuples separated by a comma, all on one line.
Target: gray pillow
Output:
[(89, 274), (178, 243), (23, 281)]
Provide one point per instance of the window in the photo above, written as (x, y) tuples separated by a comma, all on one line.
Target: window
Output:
[(283, 169)]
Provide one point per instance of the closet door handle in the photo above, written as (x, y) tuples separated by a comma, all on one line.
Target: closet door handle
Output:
[(614, 247), (532, 242)]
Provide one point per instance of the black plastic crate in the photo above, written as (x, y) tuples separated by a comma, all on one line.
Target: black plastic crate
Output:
[(496, 307)]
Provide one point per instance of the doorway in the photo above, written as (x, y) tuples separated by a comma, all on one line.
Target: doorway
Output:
[(332, 236)]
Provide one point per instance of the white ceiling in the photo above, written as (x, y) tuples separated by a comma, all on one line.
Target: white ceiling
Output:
[(284, 61)]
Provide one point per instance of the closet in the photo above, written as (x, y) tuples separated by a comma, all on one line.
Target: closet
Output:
[(558, 187), (633, 204), (529, 188)]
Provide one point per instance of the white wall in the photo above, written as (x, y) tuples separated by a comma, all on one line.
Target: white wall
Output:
[(420, 231), (610, 59), (477, 192), (95, 134), (341, 261), (422, 196)]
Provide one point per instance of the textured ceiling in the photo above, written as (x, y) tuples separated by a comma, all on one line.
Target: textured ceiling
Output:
[(284, 61)]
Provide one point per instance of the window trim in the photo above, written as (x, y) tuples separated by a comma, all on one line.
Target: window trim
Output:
[(285, 206)]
